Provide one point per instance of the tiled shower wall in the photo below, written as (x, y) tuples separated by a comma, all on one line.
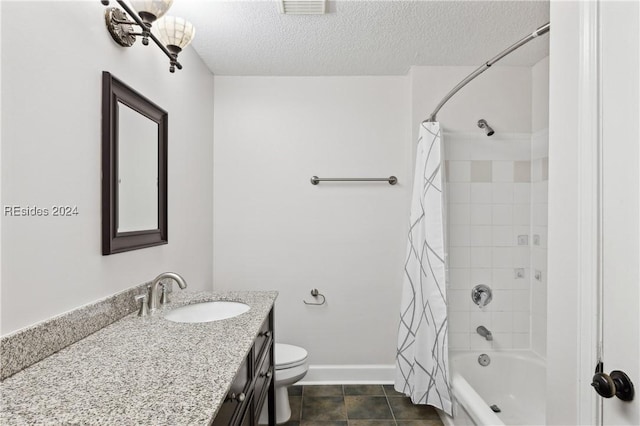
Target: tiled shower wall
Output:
[(489, 238), (539, 210)]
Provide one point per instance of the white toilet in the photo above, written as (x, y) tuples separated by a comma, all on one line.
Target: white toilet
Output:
[(291, 366)]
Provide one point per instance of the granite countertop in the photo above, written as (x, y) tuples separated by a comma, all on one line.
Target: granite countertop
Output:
[(139, 370)]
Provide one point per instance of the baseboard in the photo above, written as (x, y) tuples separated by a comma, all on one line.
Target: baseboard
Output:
[(349, 374)]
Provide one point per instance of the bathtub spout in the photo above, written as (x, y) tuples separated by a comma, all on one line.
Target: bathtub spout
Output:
[(482, 330)]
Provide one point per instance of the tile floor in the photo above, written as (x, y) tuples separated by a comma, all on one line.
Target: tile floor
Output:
[(356, 405)]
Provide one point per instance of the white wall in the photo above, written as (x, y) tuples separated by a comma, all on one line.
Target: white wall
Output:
[(53, 54), (564, 290), (501, 95), (274, 230)]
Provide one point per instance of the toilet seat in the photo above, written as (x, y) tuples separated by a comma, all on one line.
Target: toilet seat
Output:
[(289, 356)]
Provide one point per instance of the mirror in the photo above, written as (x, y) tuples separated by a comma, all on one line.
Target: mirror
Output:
[(134, 169)]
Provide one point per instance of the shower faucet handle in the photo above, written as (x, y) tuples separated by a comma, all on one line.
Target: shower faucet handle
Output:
[(481, 295)]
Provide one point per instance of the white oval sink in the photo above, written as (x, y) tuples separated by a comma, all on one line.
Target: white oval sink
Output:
[(206, 311)]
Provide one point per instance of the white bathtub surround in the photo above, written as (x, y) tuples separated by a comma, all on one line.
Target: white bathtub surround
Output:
[(514, 381), (539, 214), (422, 370), (490, 239)]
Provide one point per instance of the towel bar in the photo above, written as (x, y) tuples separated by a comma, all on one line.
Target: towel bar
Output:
[(391, 179)]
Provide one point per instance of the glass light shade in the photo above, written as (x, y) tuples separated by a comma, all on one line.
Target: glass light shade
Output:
[(175, 31), (156, 8)]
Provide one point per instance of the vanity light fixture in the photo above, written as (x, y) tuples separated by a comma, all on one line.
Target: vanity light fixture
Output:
[(174, 33)]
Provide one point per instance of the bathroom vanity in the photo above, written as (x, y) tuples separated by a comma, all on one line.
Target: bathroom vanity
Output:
[(149, 370), (253, 385)]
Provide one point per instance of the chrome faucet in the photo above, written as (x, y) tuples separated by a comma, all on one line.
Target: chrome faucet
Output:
[(153, 289), (482, 330)]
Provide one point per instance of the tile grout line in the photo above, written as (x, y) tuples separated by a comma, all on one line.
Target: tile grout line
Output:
[(386, 395)]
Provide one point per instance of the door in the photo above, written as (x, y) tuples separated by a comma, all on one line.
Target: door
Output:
[(619, 33)]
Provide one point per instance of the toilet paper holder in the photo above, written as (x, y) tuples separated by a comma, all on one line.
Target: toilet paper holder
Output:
[(316, 293)]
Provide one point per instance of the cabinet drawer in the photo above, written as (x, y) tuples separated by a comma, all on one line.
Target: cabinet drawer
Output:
[(248, 418), (264, 337), (232, 406), (264, 375)]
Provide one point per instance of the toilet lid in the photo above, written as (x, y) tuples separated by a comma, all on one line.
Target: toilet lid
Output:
[(288, 356)]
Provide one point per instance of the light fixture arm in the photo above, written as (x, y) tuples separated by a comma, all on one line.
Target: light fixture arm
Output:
[(146, 32)]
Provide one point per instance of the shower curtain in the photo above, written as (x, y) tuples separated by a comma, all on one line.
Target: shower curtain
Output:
[(422, 356)]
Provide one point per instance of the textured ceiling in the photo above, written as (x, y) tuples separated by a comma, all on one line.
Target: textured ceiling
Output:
[(361, 37)]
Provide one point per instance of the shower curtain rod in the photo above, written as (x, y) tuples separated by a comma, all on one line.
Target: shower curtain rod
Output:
[(540, 31)]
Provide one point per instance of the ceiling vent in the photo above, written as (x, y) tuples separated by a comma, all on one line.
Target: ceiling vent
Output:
[(303, 7)]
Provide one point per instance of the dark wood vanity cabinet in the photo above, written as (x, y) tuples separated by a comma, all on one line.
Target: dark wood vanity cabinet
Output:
[(253, 386)]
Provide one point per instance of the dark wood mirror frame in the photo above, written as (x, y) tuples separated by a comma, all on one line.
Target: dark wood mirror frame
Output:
[(113, 92)]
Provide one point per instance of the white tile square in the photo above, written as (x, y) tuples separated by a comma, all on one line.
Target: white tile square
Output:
[(521, 322), (522, 171), (459, 257), (511, 149), (502, 341), (539, 192), (456, 149), (459, 322), (480, 257), (459, 278), (502, 236), (458, 300), (522, 230), (478, 318), (480, 276), (459, 341), (521, 300), (502, 257), (521, 214), (481, 171), (480, 193), (458, 235), (502, 322), (502, 214), (458, 192), (458, 214), (522, 283), (479, 343), (502, 193), (480, 214), (459, 171), (480, 236), (502, 301), (521, 257), (522, 193), (539, 259), (503, 278), (540, 213), (502, 171)]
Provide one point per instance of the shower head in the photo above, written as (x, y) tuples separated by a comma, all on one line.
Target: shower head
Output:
[(482, 123)]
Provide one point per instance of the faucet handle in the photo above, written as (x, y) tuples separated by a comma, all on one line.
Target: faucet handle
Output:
[(144, 309), (164, 296), (481, 295)]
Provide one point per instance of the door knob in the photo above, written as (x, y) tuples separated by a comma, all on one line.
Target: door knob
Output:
[(615, 384)]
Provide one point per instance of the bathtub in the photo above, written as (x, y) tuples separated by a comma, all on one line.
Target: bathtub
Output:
[(514, 381)]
